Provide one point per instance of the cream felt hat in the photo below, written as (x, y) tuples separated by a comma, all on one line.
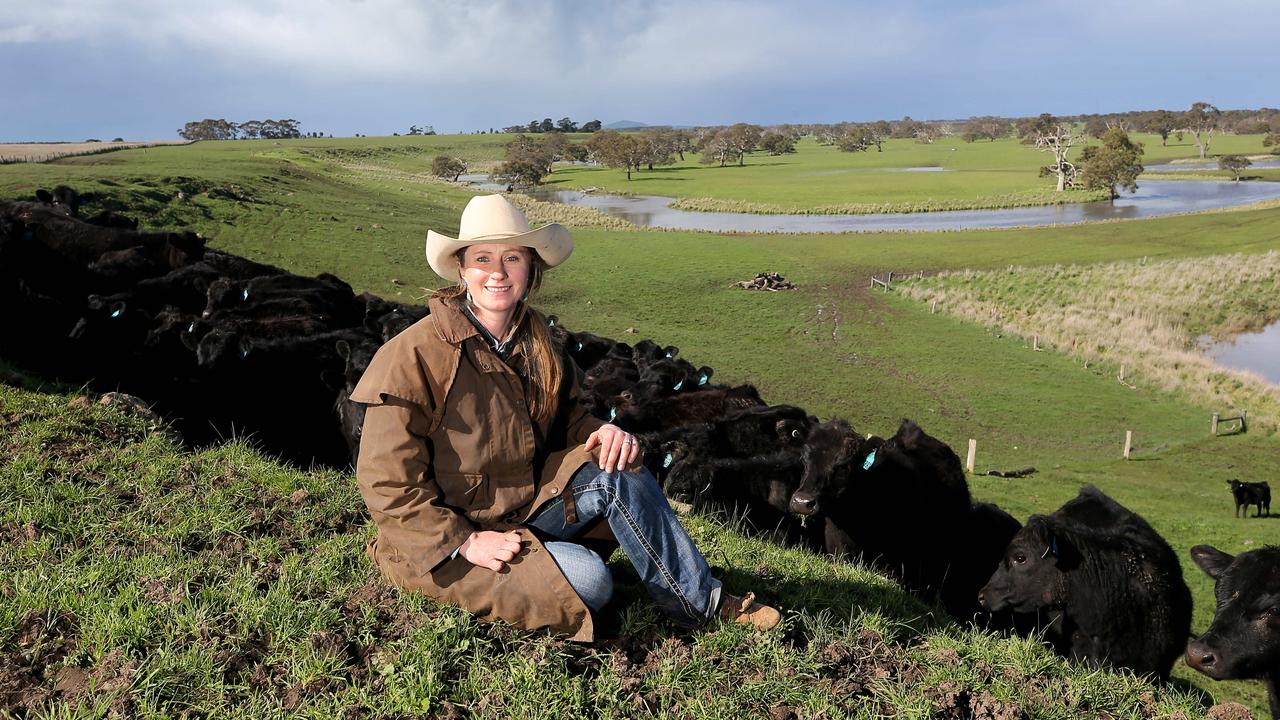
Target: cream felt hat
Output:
[(493, 219)]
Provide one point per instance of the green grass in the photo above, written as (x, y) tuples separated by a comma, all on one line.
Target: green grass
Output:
[(221, 584), (832, 347)]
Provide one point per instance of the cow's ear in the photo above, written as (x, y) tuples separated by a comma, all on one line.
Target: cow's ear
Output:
[(909, 434), (1211, 560)]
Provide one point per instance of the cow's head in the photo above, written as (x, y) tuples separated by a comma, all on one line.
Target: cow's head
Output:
[(1244, 639), (1029, 576), (830, 453)]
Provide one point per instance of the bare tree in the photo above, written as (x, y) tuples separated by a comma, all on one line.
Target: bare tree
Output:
[(1201, 120), (1056, 137)]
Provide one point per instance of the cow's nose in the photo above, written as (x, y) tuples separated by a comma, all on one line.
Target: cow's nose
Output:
[(803, 504), (1200, 657), (982, 597)]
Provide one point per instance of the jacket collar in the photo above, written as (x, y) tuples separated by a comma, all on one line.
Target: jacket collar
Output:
[(451, 324), (454, 326)]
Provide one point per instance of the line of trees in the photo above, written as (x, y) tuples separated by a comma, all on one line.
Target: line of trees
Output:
[(222, 129), (545, 125)]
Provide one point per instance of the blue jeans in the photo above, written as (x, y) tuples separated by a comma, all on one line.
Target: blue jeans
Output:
[(670, 566)]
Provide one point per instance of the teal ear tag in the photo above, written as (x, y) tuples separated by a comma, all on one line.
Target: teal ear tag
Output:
[(679, 384), (871, 460), (115, 313), (191, 327), (613, 413), (579, 347), (702, 379), (245, 295), (666, 462)]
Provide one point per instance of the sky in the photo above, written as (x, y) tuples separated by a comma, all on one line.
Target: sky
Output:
[(140, 69)]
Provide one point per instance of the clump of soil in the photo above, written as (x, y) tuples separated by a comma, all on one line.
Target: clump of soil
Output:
[(771, 281)]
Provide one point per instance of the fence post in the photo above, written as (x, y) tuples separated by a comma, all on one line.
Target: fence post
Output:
[(933, 307), (1035, 342), (1213, 425), (1128, 443), (973, 451), (890, 276)]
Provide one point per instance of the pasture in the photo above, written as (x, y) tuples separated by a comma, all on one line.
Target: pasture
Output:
[(833, 347)]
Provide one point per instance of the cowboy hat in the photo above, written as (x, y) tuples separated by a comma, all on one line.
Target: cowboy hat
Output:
[(492, 219)]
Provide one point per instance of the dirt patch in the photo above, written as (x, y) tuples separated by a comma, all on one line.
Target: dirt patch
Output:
[(955, 702), (1229, 711)]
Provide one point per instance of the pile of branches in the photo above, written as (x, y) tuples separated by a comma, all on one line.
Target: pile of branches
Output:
[(770, 281)]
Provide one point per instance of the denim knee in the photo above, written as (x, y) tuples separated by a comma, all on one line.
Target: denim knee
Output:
[(585, 571)]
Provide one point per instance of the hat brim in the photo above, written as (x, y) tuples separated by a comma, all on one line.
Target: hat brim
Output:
[(552, 243)]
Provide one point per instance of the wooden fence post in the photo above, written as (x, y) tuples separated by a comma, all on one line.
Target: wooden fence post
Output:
[(1128, 443), (1122, 373), (1213, 425), (933, 307), (1035, 343), (973, 451)]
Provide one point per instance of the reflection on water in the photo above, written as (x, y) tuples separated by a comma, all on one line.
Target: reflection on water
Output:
[(1213, 165), (1259, 352), (1153, 199)]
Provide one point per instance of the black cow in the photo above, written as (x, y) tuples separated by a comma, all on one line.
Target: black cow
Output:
[(1244, 639), (902, 503), (1247, 493), (682, 409), (1112, 587)]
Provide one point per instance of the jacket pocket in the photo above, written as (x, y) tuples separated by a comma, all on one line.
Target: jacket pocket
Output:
[(465, 491)]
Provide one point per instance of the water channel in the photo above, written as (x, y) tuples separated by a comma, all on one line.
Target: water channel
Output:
[(1258, 352), (1153, 199)]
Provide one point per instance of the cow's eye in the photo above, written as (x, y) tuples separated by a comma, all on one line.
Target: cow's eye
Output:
[(1019, 558), (795, 433), (1272, 612)]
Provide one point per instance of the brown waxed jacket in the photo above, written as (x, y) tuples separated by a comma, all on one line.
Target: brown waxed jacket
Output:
[(485, 466)]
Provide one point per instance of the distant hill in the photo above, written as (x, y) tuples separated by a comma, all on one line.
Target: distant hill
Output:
[(625, 125), (633, 125)]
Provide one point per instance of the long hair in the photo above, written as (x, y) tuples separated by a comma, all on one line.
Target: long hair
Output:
[(543, 370)]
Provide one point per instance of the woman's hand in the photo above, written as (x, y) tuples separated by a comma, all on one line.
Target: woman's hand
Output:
[(489, 549), (618, 448)]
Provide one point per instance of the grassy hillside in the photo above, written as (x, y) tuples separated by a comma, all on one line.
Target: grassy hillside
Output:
[(221, 584), (832, 346)]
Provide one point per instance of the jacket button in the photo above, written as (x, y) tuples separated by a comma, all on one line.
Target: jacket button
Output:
[(554, 491)]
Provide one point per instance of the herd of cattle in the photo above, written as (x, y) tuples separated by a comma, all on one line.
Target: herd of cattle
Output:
[(222, 346)]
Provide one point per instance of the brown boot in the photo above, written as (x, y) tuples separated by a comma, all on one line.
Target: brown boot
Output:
[(746, 610)]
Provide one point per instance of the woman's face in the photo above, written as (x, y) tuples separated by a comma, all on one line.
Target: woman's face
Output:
[(497, 276)]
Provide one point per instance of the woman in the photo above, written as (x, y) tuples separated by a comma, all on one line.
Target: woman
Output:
[(475, 447)]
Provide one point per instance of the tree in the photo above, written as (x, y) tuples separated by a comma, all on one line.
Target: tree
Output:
[(776, 143), (617, 150), (1056, 137), (1096, 126), (660, 147), (1201, 120), (877, 132), (546, 125), (926, 133), (1160, 122), (208, 129), (1272, 141), (855, 138), (447, 166), (716, 147), (527, 162), (566, 125), (991, 128), (743, 138), (425, 130), (591, 126), (1116, 163), (1235, 163)]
